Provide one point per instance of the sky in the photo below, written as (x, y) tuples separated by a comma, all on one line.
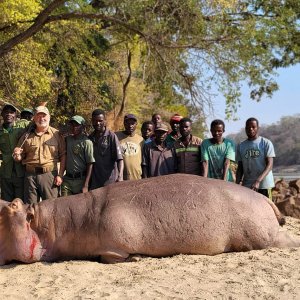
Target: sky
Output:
[(285, 102)]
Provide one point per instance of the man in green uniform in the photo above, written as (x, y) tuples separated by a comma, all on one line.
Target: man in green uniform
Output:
[(26, 114), (12, 173), (79, 161)]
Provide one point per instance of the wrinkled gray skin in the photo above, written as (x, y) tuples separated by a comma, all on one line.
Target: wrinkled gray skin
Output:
[(157, 217)]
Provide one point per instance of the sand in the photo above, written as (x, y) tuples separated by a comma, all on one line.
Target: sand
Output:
[(264, 274)]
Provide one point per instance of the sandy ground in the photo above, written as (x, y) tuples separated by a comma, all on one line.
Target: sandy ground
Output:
[(265, 274)]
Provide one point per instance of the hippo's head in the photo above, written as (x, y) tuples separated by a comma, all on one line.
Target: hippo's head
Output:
[(17, 240)]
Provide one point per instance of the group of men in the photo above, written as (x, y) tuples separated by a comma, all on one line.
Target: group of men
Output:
[(217, 157), (38, 162)]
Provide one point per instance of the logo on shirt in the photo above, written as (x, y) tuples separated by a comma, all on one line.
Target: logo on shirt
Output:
[(252, 153), (130, 149), (105, 141), (76, 149)]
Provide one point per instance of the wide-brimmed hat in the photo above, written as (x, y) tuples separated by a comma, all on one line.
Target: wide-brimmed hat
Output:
[(9, 105)]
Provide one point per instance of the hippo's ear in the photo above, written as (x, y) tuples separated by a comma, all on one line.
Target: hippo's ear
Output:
[(16, 204), (30, 213)]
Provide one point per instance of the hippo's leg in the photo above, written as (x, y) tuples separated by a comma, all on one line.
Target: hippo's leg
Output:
[(135, 257), (115, 256), (284, 240)]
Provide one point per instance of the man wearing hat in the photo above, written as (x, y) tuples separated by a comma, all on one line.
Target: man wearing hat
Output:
[(174, 135), (108, 167), (40, 151), (158, 157), (11, 172), (79, 161), (131, 145), (26, 114)]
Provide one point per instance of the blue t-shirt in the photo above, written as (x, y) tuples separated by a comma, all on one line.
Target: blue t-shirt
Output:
[(253, 156), (216, 154)]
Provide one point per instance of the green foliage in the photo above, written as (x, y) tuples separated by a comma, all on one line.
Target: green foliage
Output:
[(146, 56), (18, 10)]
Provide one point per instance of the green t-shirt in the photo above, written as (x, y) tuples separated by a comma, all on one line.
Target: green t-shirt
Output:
[(79, 153), (216, 154)]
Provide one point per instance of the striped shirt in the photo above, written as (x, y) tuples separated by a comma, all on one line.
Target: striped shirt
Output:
[(189, 158)]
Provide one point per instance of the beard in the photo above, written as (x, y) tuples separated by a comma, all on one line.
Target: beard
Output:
[(42, 124)]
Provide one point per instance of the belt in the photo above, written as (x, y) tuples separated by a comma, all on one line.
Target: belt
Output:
[(39, 170), (76, 175)]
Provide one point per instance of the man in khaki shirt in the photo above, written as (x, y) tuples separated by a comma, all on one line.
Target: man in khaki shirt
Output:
[(40, 151)]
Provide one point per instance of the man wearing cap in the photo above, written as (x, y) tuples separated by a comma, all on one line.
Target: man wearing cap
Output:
[(131, 146), (79, 161), (188, 149), (158, 157), (108, 167), (11, 172), (174, 135), (26, 114), (40, 152)]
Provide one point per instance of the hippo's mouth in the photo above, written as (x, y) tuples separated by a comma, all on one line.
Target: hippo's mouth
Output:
[(32, 250)]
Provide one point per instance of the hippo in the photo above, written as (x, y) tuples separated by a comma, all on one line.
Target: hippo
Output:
[(157, 217)]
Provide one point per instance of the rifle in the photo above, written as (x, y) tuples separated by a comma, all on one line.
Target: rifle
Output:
[(29, 129)]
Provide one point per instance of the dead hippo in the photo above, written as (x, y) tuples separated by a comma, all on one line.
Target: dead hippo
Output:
[(156, 217)]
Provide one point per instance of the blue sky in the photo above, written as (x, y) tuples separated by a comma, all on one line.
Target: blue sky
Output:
[(285, 102)]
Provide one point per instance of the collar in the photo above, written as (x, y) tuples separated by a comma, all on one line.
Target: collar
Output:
[(159, 147), (7, 129), (92, 136)]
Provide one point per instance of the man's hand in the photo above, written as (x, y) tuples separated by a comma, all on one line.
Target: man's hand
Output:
[(17, 154), (255, 185), (119, 178), (58, 180), (85, 189)]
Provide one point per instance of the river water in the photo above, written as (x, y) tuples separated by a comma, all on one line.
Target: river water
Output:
[(286, 176)]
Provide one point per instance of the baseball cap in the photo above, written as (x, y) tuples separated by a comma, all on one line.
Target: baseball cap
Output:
[(42, 109), (9, 105), (176, 118), (78, 119), (161, 127), (130, 116)]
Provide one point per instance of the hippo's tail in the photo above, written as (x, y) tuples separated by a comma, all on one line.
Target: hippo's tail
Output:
[(279, 216)]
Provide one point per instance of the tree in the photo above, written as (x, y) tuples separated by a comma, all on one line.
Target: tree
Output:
[(186, 46)]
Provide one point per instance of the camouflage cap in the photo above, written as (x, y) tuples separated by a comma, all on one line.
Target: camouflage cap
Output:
[(78, 119), (162, 127), (41, 109)]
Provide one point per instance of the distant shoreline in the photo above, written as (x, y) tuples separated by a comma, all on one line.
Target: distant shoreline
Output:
[(286, 176)]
